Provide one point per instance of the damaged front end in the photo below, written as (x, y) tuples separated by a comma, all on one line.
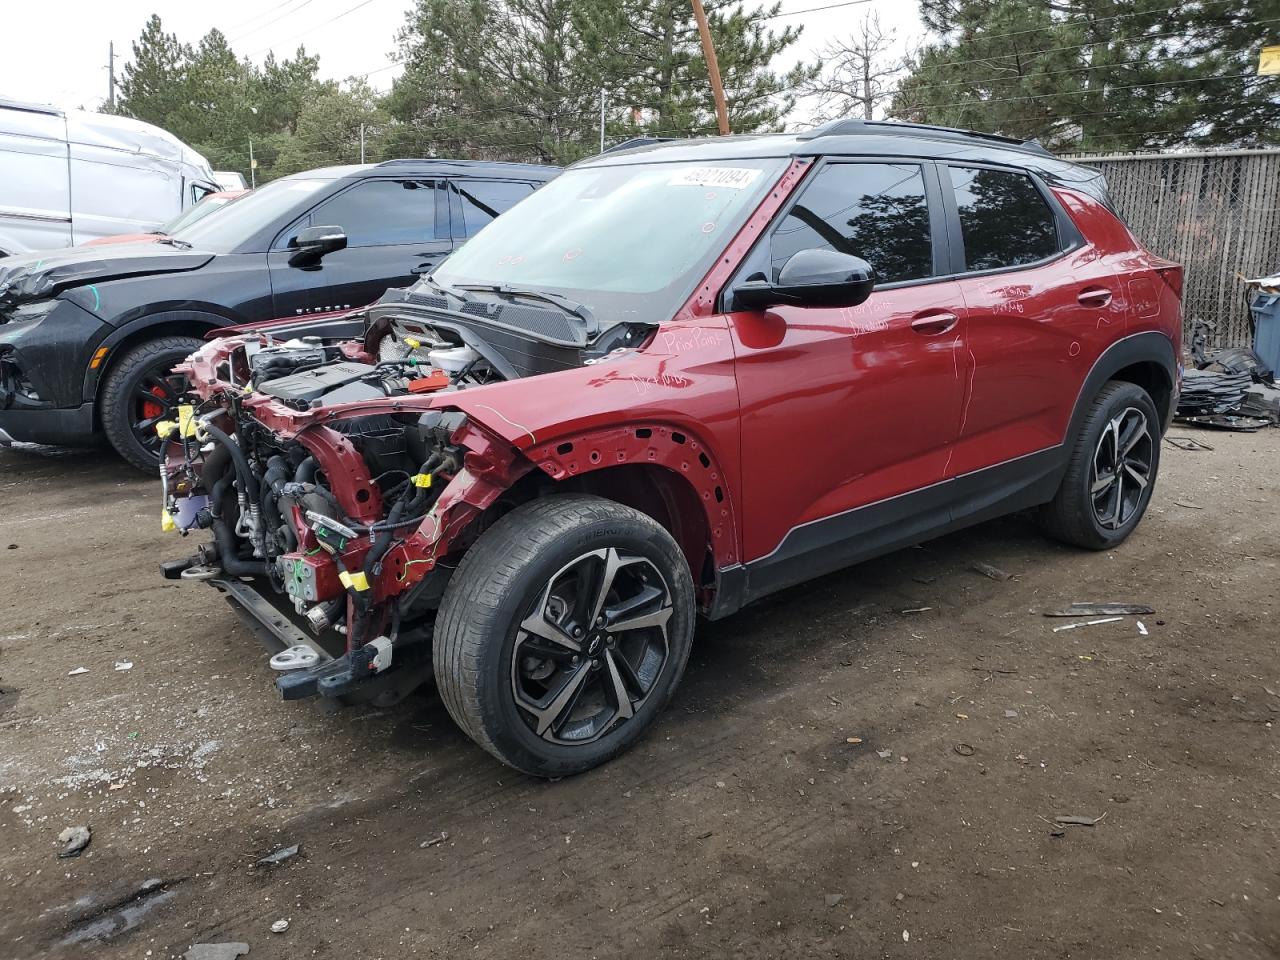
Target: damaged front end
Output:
[(336, 488), (339, 482)]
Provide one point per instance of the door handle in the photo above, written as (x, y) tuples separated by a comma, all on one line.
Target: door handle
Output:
[(1094, 297), (425, 267), (933, 324)]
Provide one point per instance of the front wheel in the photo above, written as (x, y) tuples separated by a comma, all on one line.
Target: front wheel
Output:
[(139, 392), (1112, 471), (563, 633)]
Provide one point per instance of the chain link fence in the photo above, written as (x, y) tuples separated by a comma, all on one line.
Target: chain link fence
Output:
[(1218, 214)]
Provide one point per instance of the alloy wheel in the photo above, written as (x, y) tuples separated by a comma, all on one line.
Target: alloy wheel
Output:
[(592, 646), (1121, 469), (155, 397)]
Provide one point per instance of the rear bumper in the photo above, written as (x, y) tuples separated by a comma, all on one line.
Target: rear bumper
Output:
[(71, 426)]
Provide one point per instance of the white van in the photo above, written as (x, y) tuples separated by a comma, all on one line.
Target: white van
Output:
[(67, 177)]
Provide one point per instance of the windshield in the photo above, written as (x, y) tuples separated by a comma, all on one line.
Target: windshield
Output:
[(198, 212), (629, 242), (251, 213)]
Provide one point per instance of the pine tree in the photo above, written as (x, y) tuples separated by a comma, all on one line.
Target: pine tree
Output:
[(152, 83), (1096, 75)]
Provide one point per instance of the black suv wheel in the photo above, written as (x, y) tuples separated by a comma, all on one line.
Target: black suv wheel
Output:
[(139, 392), (1112, 471), (563, 633)]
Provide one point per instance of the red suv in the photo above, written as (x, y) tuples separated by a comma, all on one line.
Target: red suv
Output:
[(676, 379)]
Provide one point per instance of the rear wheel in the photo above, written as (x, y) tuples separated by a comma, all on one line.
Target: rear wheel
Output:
[(1112, 471), (563, 633), (139, 392)]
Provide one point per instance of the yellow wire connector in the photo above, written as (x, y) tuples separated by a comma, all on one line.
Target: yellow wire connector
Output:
[(187, 420), (421, 480), (411, 343), (354, 581), (165, 428), (167, 523)]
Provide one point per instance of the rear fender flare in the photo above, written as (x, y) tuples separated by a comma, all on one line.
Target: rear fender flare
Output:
[(1148, 347)]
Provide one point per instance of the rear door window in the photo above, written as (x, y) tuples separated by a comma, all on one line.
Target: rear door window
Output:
[(876, 211), (381, 213), (1004, 219), (482, 200)]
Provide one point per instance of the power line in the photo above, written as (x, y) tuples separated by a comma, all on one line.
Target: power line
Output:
[(830, 6), (259, 15), (263, 26), (344, 13)]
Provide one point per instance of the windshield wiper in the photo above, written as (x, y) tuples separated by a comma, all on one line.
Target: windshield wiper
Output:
[(564, 303), (174, 242)]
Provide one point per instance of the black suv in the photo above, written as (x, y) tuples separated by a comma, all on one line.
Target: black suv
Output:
[(88, 335)]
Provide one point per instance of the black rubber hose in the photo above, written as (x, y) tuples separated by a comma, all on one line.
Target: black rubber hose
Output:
[(248, 482), (228, 554), (306, 472)]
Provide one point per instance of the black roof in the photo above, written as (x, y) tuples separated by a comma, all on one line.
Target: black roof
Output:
[(868, 138)]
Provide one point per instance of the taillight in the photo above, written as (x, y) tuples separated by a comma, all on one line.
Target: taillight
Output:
[(1171, 273)]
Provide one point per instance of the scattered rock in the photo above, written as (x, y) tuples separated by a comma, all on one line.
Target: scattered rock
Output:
[(833, 898), (278, 857), (216, 951), (73, 839), (854, 740), (1011, 714), (884, 754), (280, 926), (124, 664), (77, 671), (990, 572)]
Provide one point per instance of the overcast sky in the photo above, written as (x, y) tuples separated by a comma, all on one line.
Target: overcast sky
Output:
[(56, 50)]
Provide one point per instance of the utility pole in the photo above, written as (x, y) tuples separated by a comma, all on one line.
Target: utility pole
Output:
[(111, 76), (713, 68), (253, 168), (602, 119), (362, 143)]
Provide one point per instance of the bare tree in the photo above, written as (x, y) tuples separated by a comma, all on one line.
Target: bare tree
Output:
[(860, 73)]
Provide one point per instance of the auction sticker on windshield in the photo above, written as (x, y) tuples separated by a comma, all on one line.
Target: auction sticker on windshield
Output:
[(733, 177)]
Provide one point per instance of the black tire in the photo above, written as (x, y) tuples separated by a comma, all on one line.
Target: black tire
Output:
[(1082, 513), (144, 368), (487, 663)]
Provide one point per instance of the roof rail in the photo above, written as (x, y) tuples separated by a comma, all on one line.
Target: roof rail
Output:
[(637, 142), (31, 107), (388, 163), (851, 127)]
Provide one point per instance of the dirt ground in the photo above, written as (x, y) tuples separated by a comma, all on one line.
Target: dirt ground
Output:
[(746, 823)]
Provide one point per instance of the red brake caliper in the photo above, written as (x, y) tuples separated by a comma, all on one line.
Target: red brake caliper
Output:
[(152, 410)]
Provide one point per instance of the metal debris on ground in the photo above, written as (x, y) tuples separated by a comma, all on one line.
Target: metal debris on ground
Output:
[(1078, 821), (1186, 443), (73, 840), (1189, 506), (77, 671), (216, 951), (1227, 421), (964, 749), (1085, 623), (279, 856), (1102, 610), (916, 609), (432, 841), (987, 570)]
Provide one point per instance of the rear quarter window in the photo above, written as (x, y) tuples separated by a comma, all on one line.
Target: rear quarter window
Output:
[(1004, 219)]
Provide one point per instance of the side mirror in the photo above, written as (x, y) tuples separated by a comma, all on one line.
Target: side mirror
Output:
[(314, 242), (811, 278)]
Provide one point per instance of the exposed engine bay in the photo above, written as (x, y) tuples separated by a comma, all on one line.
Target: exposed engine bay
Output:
[(339, 486)]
